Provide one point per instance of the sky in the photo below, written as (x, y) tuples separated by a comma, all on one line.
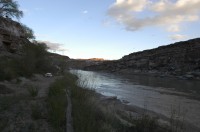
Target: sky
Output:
[(110, 29)]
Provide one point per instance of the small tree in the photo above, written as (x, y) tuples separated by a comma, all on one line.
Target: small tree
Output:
[(10, 8), (29, 34)]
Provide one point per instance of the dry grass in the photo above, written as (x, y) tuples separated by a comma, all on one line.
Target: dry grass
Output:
[(57, 104)]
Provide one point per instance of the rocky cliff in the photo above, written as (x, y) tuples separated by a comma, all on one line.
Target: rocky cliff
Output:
[(181, 58), (12, 37)]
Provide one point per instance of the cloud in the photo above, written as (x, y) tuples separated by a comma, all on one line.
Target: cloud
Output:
[(85, 12), (178, 37), (137, 14), (173, 28), (130, 5), (54, 46)]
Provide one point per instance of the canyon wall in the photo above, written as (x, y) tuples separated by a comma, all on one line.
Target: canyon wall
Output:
[(181, 58), (12, 37)]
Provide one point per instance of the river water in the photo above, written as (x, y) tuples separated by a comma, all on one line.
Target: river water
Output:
[(161, 95)]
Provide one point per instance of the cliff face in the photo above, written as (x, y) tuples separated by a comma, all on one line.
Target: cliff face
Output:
[(175, 59), (12, 37), (181, 56)]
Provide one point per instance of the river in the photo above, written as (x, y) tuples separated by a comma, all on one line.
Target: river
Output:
[(164, 96)]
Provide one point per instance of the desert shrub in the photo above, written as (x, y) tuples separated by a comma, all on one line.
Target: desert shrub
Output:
[(34, 60), (7, 68), (57, 103), (36, 111), (89, 115), (146, 124), (32, 90)]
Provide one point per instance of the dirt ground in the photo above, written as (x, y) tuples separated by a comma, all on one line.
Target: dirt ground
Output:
[(23, 104)]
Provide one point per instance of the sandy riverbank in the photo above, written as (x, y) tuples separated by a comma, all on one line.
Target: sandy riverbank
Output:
[(123, 109)]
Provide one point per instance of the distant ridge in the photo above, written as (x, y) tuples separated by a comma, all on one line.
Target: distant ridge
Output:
[(93, 59)]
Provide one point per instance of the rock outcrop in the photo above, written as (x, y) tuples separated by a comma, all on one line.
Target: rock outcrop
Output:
[(181, 58), (12, 37)]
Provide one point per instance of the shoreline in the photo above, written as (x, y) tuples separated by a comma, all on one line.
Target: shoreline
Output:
[(137, 112), (125, 106), (188, 76)]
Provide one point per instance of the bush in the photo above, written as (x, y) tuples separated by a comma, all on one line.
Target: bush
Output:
[(33, 91), (7, 68), (36, 112), (34, 60), (146, 124), (57, 103)]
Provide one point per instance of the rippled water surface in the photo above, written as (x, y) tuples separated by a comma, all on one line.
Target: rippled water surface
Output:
[(161, 95)]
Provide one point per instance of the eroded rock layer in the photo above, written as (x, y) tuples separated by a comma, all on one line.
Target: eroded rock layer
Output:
[(12, 37), (181, 58)]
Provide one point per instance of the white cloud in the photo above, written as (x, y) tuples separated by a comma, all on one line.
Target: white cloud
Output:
[(173, 28), (164, 13), (160, 6), (54, 46), (85, 12), (132, 5), (178, 37)]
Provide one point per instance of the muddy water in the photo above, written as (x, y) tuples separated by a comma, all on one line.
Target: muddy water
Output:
[(165, 96)]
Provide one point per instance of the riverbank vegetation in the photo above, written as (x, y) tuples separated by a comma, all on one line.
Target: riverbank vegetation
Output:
[(57, 104), (91, 112), (35, 60)]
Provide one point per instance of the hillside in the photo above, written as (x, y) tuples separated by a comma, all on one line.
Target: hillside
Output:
[(25, 104), (12, 37), (178, 59), (21, 57)]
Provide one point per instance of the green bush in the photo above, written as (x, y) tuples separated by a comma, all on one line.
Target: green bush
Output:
[(35, 60)]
